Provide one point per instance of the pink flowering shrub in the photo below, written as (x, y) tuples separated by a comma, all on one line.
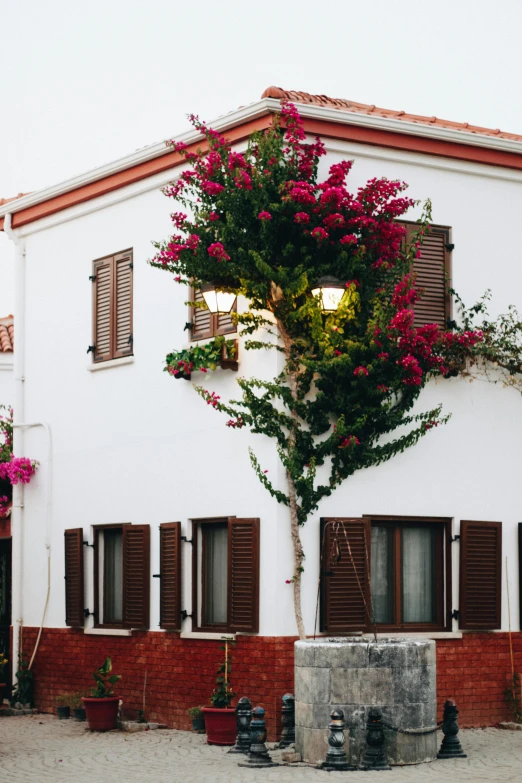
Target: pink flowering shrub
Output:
[(14, 470)]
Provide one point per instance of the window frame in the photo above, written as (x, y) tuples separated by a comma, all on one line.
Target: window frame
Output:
[(198, 575), (443, 571), (97, 529), (112, 260)]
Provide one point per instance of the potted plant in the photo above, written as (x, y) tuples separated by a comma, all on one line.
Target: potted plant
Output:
[(102, 706), (63, 708), (76, 705), (3, 663), (220, 719), (198, 719)]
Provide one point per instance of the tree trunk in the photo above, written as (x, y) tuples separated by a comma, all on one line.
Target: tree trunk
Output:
[(294, 523)]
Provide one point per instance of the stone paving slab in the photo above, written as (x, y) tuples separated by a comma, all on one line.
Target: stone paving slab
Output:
[(41, 748)]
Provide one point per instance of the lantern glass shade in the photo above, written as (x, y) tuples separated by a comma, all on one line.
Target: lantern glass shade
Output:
[(218, 302), (329, 291)]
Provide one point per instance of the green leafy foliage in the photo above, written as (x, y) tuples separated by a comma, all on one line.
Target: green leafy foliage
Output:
[(104, 680), (223, 693)]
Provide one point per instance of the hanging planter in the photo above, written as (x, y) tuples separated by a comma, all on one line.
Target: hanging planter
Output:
[(202, 358), (229, 356)]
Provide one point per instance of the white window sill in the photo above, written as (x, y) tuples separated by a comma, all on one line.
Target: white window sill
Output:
[(107, 631), (417, 635), (95, 366), (220, 637)]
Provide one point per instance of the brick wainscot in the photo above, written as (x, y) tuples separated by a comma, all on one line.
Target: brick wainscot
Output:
[(474, 670)]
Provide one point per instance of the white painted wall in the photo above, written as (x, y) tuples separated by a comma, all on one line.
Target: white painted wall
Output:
[(125, 439), (6, 378)]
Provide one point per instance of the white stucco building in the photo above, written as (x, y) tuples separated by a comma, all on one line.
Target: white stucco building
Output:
[(123, 443)]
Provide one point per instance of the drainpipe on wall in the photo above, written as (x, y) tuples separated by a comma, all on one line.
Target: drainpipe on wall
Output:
[(17, 513)]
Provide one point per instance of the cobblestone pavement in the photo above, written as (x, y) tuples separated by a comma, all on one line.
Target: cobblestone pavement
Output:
[(41, 748)]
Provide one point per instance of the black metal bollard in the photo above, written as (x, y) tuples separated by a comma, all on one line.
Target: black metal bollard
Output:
[(450, 747), (243, 718), (336, 756), (288, 721), (374, 757), (258, 754)]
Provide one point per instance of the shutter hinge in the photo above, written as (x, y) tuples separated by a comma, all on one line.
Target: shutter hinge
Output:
[(455, 538), (131, 339), (156, 576), (455, 614), (86, 543), (188, 325), (449, 246), (91, 349), (131, 265), (184, 614), (87, 613), (186, 540), (92, 278)]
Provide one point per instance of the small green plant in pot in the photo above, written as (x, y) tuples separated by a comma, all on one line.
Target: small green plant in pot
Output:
[(102, 706), (63, 705), (220, 719), (198, 719), (77, 704)]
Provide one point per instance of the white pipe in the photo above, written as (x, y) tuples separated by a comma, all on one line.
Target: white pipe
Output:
[(17, 514)]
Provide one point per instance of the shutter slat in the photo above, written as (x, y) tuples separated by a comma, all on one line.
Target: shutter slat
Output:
[(74, 587), (102, 271), (342, 603), (136, 576), (202, 322), (170, 576), (480, 575), (243, 574), (123, 316)]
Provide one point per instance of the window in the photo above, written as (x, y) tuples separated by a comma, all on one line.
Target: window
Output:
[(121, 557), (433, 275), (205, 324), (112, 307), (225, 574), (400, 566)]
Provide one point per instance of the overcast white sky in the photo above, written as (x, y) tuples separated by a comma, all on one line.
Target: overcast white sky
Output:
[(84, 83)]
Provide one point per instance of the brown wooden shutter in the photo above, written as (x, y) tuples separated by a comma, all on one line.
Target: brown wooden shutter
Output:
[(202, 320), (136, 576), (123, 304), (344, 590), (243, 574), (480, 575), (74, 600), (102, 309), (170, 576), (223, 324)]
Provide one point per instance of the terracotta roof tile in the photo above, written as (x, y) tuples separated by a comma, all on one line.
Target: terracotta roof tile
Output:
[(363, 108), (12, 198), (7, 334)]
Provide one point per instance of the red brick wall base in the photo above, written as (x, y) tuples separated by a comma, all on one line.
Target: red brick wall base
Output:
[(474, 670)]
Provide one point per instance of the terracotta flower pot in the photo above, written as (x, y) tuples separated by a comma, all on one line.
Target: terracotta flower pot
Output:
[(220, 726), (102, 714)]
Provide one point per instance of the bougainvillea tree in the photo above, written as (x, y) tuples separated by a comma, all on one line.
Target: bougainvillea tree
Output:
[(13, 470), (260, 223)]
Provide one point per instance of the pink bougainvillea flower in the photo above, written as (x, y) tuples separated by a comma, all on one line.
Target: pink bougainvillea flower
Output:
[(320, 233), (361, 372), (348, 239), (264, 216), (217, 251), (301, 217)]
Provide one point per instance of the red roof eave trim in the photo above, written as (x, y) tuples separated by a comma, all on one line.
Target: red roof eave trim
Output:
[(318, 127)]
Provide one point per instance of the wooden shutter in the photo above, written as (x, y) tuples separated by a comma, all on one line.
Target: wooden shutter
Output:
[(74, 600), (123, 304), (102, 309), (136, 576), (223, 324), (202, 320), (480, 575), (432, 272), (170, 576), (344, 589), (243, 574)]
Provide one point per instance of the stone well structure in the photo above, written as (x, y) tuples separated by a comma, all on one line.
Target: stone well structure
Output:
[(354, 674)]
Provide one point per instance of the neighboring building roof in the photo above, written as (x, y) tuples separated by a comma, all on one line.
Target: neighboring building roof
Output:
[(7, 334), (364, 108)]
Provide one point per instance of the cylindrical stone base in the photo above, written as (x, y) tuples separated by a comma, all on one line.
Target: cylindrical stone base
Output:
[(354, 674)]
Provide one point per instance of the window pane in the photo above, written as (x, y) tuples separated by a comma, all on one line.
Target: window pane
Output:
[(382, 573), (113, 570), (418, 559), (215, 568)]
